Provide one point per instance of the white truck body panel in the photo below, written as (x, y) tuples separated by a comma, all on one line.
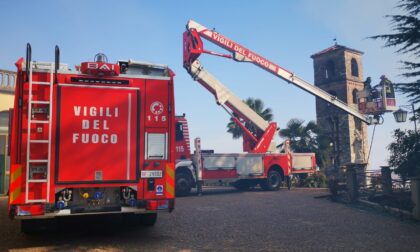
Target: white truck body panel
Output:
[(247, 165), (219, 161), (302, 161)]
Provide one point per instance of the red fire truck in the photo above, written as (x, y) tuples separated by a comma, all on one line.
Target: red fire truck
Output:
[(241, 170), (95, 140), (261, 163)]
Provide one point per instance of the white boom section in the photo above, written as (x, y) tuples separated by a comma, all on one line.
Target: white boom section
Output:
[(224, 96), (243, 54)]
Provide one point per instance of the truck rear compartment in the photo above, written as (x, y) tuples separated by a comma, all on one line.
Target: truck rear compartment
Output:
[(92, 146)]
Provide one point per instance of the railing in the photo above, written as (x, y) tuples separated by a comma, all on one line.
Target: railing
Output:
[(7, 80), (381, 181), (375, 186)]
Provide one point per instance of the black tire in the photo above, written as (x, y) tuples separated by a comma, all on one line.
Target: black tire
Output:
[(148, 220), (37, 225), (183, 184), (272, 182), (27, 226), (241, 185)]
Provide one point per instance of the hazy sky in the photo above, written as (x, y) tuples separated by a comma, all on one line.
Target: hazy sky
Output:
[(286, 32)]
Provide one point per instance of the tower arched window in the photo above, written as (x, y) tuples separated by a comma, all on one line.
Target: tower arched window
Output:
[(1, 79), (354, 96), (354, 68), (329, 70)]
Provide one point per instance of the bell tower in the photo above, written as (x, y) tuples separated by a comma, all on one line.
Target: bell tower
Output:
[(339, 71)]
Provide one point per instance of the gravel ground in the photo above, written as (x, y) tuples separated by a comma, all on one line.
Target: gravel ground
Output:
[(224, 219)]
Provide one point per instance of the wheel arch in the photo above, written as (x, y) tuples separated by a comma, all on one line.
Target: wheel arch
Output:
[(187, 169), (277, 168)]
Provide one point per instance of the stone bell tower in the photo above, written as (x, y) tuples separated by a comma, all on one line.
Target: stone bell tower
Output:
[(339, 71)]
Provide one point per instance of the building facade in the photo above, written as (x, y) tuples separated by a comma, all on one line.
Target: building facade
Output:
[(339, 71), (7, 90)]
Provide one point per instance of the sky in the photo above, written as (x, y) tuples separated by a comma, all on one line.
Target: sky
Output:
[(285, 32)]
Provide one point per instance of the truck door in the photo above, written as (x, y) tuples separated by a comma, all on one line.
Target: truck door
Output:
[(96, 134)]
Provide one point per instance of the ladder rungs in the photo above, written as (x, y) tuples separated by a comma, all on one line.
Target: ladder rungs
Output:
[(38, 160), (39, 141), (37, 180), (41, 83), (40, 121), (41, 102), (36, 200)]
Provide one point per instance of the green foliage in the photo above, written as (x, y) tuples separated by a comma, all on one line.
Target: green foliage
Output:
[(258, 106), (406, 38), (316, 180), (308, 138), (405, 153)]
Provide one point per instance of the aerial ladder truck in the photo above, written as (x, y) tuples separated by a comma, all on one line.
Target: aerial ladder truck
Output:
[(268, 168)]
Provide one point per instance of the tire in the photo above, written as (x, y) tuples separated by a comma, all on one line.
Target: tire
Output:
[(183, 184), (272, 182), (148, 220), (242, 185), (37, 225), (27, 226)]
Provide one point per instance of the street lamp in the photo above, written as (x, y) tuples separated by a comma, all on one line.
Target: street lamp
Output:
[(401, 115)]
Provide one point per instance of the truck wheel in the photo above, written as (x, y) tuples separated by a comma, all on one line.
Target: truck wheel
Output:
[(241, 185), (148, 220), (27, 226), (183, 184), (36, 225), (272, 182)]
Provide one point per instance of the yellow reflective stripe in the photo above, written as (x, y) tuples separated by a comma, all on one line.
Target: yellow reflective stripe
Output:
[(14, 195), (170, 189), (16, 174), (170, 180), (170, 172), (14, 186)]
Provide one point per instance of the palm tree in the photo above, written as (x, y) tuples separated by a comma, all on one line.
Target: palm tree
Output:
[(258, 106), (308, 138)]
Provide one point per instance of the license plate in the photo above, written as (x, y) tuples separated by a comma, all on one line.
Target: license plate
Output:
[(151, 174)]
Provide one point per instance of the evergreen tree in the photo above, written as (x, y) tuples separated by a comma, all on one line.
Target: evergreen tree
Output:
[(406, 38), (405, 156)]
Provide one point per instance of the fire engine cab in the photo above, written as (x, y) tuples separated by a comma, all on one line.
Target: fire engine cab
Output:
[(96, 140)]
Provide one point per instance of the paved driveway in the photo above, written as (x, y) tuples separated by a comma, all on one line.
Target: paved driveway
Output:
[(224, 219)]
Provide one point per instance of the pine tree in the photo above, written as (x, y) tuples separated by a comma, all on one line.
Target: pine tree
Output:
[(406, 40)]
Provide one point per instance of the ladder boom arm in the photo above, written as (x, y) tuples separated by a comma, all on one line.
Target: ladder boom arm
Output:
[(243, 54), (224, 96)]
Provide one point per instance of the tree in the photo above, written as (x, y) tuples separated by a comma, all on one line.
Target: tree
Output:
[(405, 153), (406, 38), (302, 137), (308, 138), (258, 106)]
